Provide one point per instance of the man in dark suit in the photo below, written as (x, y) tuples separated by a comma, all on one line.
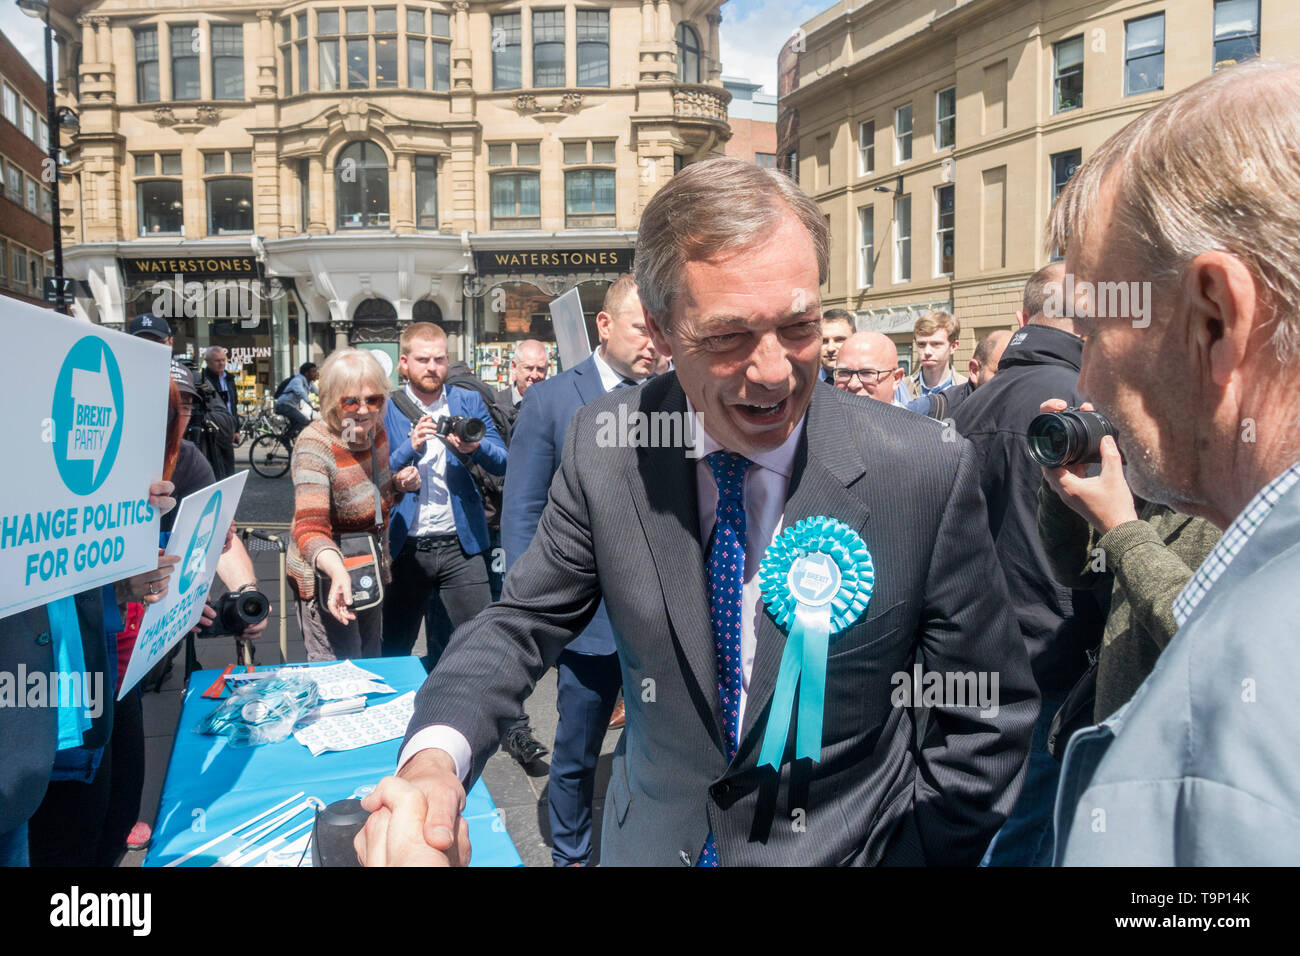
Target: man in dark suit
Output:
[(225, 416), (655, 527), (529, 365), (588, 675)]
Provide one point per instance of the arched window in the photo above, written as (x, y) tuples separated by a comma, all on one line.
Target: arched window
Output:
[(374, 312), (426, 310), (688, 54), (361, 186)]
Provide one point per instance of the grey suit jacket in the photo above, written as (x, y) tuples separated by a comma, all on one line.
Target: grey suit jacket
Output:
[(1199, 768), (624, 522)]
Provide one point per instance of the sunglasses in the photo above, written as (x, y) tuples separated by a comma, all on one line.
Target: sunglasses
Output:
[(353, 402)]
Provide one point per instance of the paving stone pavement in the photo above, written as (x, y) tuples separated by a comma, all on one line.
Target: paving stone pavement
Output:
[(520, 795)]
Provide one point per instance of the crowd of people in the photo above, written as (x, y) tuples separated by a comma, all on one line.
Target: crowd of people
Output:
[(1132, 611)]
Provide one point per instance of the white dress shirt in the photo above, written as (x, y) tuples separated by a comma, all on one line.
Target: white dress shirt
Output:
[(609, 379), (435, 515), (767, 482)]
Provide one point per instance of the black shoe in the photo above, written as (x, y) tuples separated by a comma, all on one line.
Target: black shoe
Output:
[(523, 746)]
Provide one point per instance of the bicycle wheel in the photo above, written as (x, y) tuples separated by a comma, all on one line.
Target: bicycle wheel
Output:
[(269, 456)]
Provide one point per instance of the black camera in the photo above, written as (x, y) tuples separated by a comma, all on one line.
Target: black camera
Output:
[(237, 611), (1071, 437), (467, 429)]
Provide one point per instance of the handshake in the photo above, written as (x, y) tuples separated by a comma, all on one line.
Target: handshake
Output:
[(415, 817)]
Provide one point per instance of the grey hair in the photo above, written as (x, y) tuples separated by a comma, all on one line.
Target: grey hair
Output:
[(1213, 167), (709, 208), (515, 355), (212, 350), (345, 369)]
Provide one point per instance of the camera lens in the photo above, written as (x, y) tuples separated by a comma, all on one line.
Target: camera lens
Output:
[(1071, 437), (470, 429)]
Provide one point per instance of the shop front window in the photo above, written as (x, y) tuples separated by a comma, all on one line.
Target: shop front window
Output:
[(511, 311)]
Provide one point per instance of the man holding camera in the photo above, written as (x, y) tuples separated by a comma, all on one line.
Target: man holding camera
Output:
[(1059, 626), (437, 536)]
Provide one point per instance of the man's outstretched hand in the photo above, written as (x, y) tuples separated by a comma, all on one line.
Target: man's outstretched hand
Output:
[(415, 817)]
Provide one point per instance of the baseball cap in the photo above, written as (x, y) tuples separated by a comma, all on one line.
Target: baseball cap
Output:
[(184, 380), (150, 326)]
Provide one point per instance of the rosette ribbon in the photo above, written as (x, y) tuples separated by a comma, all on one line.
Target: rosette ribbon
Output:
[(816, 579)]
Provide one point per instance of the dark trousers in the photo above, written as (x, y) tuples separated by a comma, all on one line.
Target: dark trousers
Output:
[(297, 420), (86, 824), (425, 568), (586, 688)]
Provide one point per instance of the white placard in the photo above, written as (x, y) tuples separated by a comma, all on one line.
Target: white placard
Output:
[(198, 537), (87, 428), (570, 329)]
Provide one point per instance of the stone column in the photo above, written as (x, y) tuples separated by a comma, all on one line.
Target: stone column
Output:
[(648, 32), (205, 60), (87, 38), (665, 21), (105, 37), (316, 214), (342, 329), (715, 56), (165, 91), (403, 196)]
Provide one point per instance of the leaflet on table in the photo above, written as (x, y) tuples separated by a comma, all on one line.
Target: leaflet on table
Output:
[(86, 438), (350, 731), (333, 682), (198, 538)]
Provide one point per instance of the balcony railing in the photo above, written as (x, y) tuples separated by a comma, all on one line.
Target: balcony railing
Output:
[(698, 101)]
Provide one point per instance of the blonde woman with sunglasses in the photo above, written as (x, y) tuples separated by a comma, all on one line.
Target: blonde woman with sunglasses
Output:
[(342, 487)]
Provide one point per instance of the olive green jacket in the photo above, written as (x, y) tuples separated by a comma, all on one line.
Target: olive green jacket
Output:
[(1152, 560)]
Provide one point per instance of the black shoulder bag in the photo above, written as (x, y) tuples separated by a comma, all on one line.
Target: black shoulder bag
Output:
[(361, 557)]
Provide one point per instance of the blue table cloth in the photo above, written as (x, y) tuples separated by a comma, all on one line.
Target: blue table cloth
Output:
[(212, 787)]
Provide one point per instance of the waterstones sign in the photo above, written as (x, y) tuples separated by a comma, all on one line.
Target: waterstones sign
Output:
[(141, 268), (509, 261)]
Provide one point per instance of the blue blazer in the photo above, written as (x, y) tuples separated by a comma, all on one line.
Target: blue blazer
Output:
[(537, 441), (466, 505)]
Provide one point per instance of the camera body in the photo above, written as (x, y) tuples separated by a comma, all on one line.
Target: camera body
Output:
[(464, 427), (237, 611), (1069, 437)]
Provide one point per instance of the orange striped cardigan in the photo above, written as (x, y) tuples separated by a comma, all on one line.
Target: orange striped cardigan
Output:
[(333, 494)]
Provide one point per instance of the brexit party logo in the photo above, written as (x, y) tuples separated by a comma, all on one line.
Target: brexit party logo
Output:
[(87, 415), (196, 554)]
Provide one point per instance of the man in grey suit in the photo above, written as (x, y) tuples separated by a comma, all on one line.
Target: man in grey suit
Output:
[(734, 301), (1192, 211)]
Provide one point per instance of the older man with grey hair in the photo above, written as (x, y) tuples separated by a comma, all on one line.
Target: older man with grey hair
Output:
[(225, 416), (714, 766), (529, 364), (1192, 212)]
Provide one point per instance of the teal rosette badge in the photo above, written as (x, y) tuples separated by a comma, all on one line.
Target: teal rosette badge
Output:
[(816, 579)]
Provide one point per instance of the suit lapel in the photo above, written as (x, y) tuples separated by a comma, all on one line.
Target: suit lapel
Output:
[(666, 503), (586, 379), (825, 464)]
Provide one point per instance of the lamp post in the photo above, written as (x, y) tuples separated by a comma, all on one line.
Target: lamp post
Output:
[(40, 9)]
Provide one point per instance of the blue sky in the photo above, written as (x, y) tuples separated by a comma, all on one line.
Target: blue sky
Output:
[(24, 32), (752, 33)]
